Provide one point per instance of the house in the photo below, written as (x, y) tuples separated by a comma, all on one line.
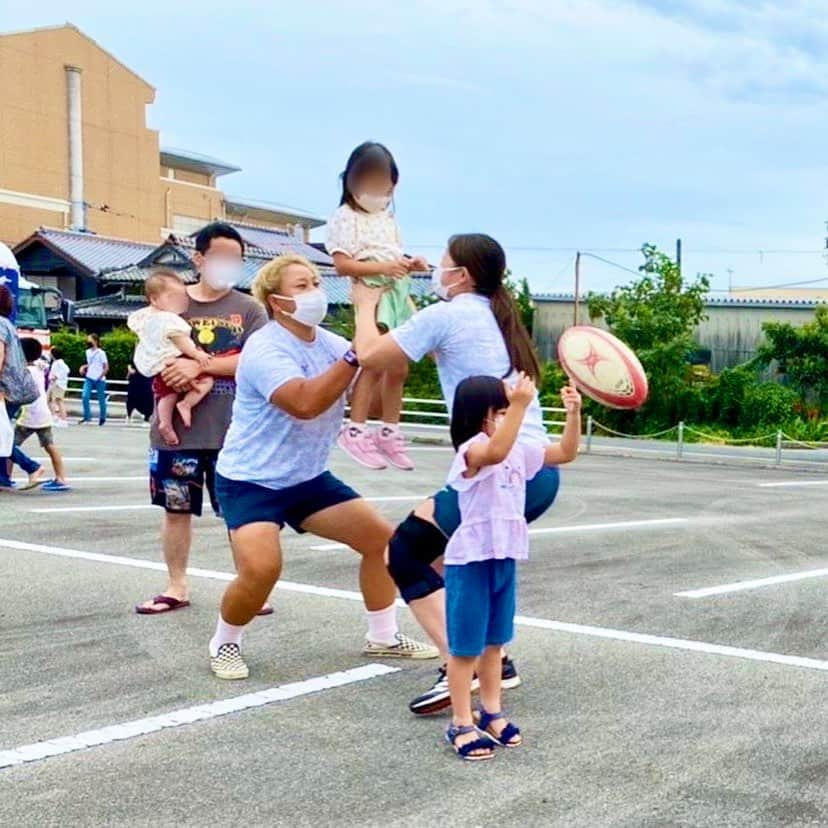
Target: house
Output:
[(76, 153), (731, 331)]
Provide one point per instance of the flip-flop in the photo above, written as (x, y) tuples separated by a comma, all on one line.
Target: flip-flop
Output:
[(265, 610), (171, 604), (31, 484)]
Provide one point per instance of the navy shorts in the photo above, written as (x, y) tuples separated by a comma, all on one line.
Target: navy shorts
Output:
[(480, 605), (178, 478), (243, 503), (541, 492)]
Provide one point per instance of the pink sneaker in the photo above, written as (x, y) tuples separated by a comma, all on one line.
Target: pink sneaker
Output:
[(391, 442), (359, 445)]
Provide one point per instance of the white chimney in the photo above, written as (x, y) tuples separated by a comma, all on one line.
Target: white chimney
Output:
[(77, 214)]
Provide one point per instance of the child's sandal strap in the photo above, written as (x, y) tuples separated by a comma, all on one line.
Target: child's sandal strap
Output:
[(507, 735), (467, 751)]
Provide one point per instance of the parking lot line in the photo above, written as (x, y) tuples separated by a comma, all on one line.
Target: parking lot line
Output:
[(564, 530), (46, 510), (521, 620), (756, 583), (781, 484), (39, 751)]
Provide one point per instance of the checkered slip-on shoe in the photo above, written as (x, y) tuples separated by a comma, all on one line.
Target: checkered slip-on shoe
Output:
[(404, 647), (228, 664)]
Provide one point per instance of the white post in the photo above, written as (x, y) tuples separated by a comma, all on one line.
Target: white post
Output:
[(589, 434), (680, 444), (77, 220), (778, 448)]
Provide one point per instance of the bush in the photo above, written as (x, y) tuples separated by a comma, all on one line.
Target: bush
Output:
[(768, 405), (119, 345), (73, 346)]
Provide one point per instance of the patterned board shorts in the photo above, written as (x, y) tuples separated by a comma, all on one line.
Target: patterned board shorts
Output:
[(178, 478)]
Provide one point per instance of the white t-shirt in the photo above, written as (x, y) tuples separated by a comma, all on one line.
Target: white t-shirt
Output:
[(36, 414), (96, 363), (59, 374), (364, 236), (464, 337), (264, 444), (155, 346)]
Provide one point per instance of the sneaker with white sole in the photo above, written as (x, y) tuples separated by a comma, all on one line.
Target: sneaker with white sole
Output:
[(404, 647), (438, 698), (228, 663), (359, 444), (391, 443)]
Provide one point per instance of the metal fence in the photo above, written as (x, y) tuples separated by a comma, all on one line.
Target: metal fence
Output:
[(417, 411)]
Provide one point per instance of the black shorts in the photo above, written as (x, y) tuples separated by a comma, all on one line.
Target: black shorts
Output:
[(244, 503), (177, 479)]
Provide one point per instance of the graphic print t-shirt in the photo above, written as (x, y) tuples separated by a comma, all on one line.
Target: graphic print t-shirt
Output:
[(220, 328)]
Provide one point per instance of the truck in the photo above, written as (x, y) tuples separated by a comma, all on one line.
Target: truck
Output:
[(37, 310)]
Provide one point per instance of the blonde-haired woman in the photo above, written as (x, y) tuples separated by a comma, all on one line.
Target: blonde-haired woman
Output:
[(273, 469)]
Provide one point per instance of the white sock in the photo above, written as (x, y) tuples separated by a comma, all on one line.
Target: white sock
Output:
[(225, 634), (382, 625), (389, 428)]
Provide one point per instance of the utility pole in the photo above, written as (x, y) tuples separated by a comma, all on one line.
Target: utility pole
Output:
[(678, 255), (577, 286)]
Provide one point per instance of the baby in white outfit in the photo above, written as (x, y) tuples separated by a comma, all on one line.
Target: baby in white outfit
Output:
[(163, 335)]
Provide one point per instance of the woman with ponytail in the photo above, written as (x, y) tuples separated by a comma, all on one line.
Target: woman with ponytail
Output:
[(475, 331)]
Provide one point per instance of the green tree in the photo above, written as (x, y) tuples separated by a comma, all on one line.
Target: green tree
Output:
[(802, 354), (519, 288), (656, 315)]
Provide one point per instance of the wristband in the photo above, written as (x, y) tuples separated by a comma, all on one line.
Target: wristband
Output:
[(351, 358)]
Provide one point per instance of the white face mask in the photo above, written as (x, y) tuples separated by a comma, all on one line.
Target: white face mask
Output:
[(311, 307), (222, 274), (441, 290), (372, 203)]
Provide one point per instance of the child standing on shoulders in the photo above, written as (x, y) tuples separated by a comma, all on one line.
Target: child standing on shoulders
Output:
[(58, 383), (163, 335), (36, 418), (490, 472), (364, 240)]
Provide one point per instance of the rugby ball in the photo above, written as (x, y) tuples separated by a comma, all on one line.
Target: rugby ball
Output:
[(603, 367)]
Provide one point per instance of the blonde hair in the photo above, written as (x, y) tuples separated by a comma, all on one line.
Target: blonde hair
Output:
[(269, 278), (159, 280)]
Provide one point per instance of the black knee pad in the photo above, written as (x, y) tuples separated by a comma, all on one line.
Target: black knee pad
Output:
[(414, 547)]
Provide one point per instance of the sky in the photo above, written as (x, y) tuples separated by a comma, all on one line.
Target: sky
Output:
[(552, 125)]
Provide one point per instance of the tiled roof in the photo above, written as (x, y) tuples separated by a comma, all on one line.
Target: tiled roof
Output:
[(117, 306), (120, 305), (276, 243), (90, 252), (710, 301)]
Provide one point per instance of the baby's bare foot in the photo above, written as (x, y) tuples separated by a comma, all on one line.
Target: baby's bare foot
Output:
[(168, 433), (186, 414)]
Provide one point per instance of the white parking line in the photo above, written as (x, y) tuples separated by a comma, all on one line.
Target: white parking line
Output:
[(38, 751), (45, 459), (757, 583), (47, 510), (565, 530), (521, 620), (784, 483)]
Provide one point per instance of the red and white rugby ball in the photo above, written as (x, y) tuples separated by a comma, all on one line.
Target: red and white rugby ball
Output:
[(603, 367)]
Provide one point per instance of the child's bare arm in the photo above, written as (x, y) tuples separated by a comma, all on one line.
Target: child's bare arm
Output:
[(567, 449), (348, 266), (189, 348), (497, 448)]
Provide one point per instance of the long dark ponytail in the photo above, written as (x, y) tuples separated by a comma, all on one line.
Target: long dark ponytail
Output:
[(485, 261)]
